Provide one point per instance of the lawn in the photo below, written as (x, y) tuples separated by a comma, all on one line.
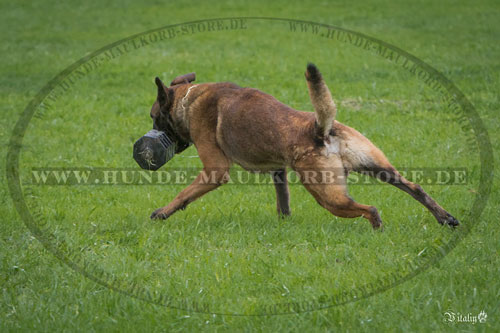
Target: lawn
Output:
[(86, 257)]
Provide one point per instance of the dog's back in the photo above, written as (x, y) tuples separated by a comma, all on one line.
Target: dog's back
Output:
[(260, 133)]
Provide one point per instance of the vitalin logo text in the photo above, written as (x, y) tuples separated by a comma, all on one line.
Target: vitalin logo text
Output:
[(467, 318)]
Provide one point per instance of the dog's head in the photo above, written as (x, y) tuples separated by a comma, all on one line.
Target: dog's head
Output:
[(162, 109)]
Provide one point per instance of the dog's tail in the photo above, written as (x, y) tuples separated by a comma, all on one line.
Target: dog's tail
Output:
[(322, 101)]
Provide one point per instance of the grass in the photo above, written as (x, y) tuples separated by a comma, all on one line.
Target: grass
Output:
[(228, 252)]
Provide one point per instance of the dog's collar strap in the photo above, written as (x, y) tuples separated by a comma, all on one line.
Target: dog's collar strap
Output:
[(181, 143)]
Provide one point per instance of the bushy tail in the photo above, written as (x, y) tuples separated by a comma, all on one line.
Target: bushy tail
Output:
[(322, 101)]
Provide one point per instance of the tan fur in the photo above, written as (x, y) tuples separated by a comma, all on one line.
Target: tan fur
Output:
[(324, 106), (322, 101), (229, 124)]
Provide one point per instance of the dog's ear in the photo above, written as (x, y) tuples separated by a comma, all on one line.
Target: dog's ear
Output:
[(186, 78), (162, 93)]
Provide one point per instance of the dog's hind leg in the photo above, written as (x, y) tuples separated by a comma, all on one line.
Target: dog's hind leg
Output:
[(326, 181), (389, 174), (282, 194)]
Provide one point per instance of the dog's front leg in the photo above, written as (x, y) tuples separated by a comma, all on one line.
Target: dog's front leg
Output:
[(215, 173), (282, 194), (206, 181)]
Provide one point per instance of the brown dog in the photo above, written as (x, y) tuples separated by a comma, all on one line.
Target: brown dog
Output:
[(229, 124)]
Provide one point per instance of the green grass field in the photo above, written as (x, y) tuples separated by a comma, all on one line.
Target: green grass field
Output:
[(227, 262)]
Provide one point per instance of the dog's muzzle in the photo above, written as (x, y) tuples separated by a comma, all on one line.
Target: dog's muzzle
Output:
[(154, 149)]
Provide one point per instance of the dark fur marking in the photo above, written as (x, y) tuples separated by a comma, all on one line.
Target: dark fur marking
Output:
[(313, 75), (318, 138)]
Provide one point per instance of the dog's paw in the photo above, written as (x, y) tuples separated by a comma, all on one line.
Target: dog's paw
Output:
[(159, 214), (375, 219), (449, 220)]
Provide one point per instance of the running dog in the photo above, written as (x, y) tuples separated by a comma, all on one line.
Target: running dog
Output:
[(230, 124)]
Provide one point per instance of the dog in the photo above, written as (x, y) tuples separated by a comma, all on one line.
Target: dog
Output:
[(230, 124)]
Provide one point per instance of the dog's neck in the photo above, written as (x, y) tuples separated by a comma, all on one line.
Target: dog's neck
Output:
[(184, 101), (182, 113)]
